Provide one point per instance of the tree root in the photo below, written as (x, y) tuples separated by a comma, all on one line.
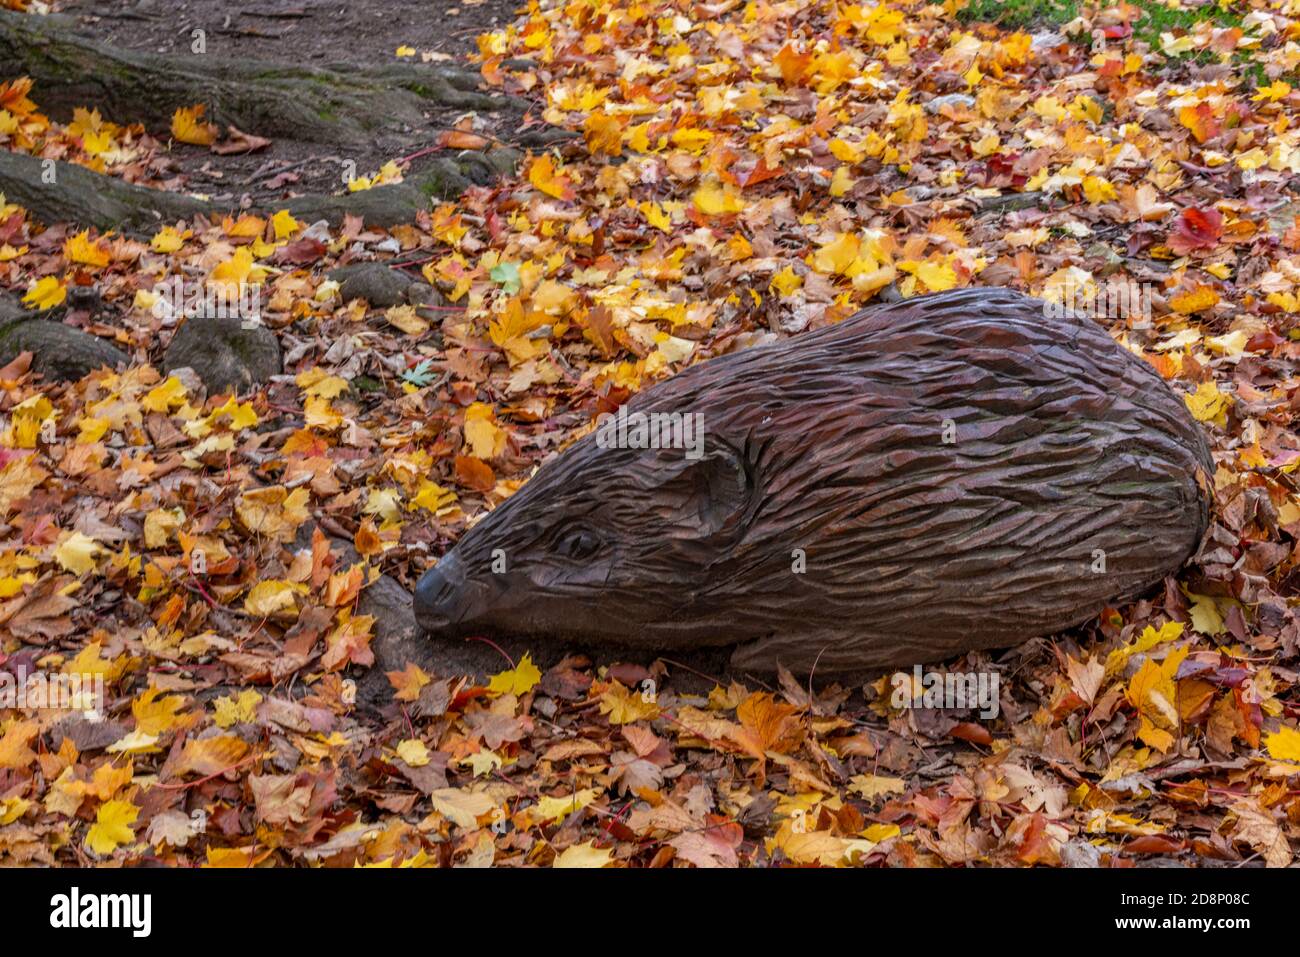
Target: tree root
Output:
[(58, 351), (343, 105), (58, 192)]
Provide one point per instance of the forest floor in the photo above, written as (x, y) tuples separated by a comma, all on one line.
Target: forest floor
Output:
[(741, 171)]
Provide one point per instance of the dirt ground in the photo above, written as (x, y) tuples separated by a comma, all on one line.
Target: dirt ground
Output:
[(307, 32)]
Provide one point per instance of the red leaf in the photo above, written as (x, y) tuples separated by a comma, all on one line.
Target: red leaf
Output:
[(1196, 229), (1154, 844), (974, 733)]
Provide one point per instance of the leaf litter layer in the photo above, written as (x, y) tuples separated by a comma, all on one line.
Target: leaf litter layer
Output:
[(744, 171)]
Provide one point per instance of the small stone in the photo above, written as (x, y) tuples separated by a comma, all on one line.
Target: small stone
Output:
[(503, 159), (227, 354), (374, 282)]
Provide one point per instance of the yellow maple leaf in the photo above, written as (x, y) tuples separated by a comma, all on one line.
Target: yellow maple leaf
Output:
[(407, 320), (156, 714), (544, 175), (1195, 300), (936, 276), (274, 512), (785, 282), (385, 504), (624, 705), (284, 224), (1208, 404), (167, 395), (241, 710), (46, 293), (586, 854), (89, 661), (1149, 638), (836, 256), (432, 497), (188, 126), (556, 809), (484, 437), (1283, 744), (316, 381), (1153, 692), (274, 599), (14, 752), (1277, 90), (169, 240), (713, 198), (112, 827), (82, 249), (655, 215), (238, 270), (519, 680), (871, 786), (414, 752), (78, 553)]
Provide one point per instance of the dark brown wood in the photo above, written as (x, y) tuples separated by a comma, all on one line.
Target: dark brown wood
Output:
[(958, 471)]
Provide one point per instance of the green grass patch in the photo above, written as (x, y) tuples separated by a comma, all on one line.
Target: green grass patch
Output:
[(1015, 14)]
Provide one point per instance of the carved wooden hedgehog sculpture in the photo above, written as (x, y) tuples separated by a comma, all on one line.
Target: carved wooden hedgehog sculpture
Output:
[(952, 472)]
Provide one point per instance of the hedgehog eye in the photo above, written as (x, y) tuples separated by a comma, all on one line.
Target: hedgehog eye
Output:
[(578, 544)]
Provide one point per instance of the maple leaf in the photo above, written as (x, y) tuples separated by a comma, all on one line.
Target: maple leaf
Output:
[(14, 752), (518, 680), (871, 786), (414, 752), (1208, 404), (212, 755), (1283, 744), (349, 643), (284, 224), (625, 706), (188, 126), (408, 682), (585, 854), (485, 438), (544, 175), (1153, 693), (1196, 229), (274, 511), (556, 809), (155, 714), (714, 198), (1257, 828), (274, 598), (113, 827), (46, 293), (231, 710), (772, 723), (82, 249), (1195, 300), (169, 240), (78, 553)]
